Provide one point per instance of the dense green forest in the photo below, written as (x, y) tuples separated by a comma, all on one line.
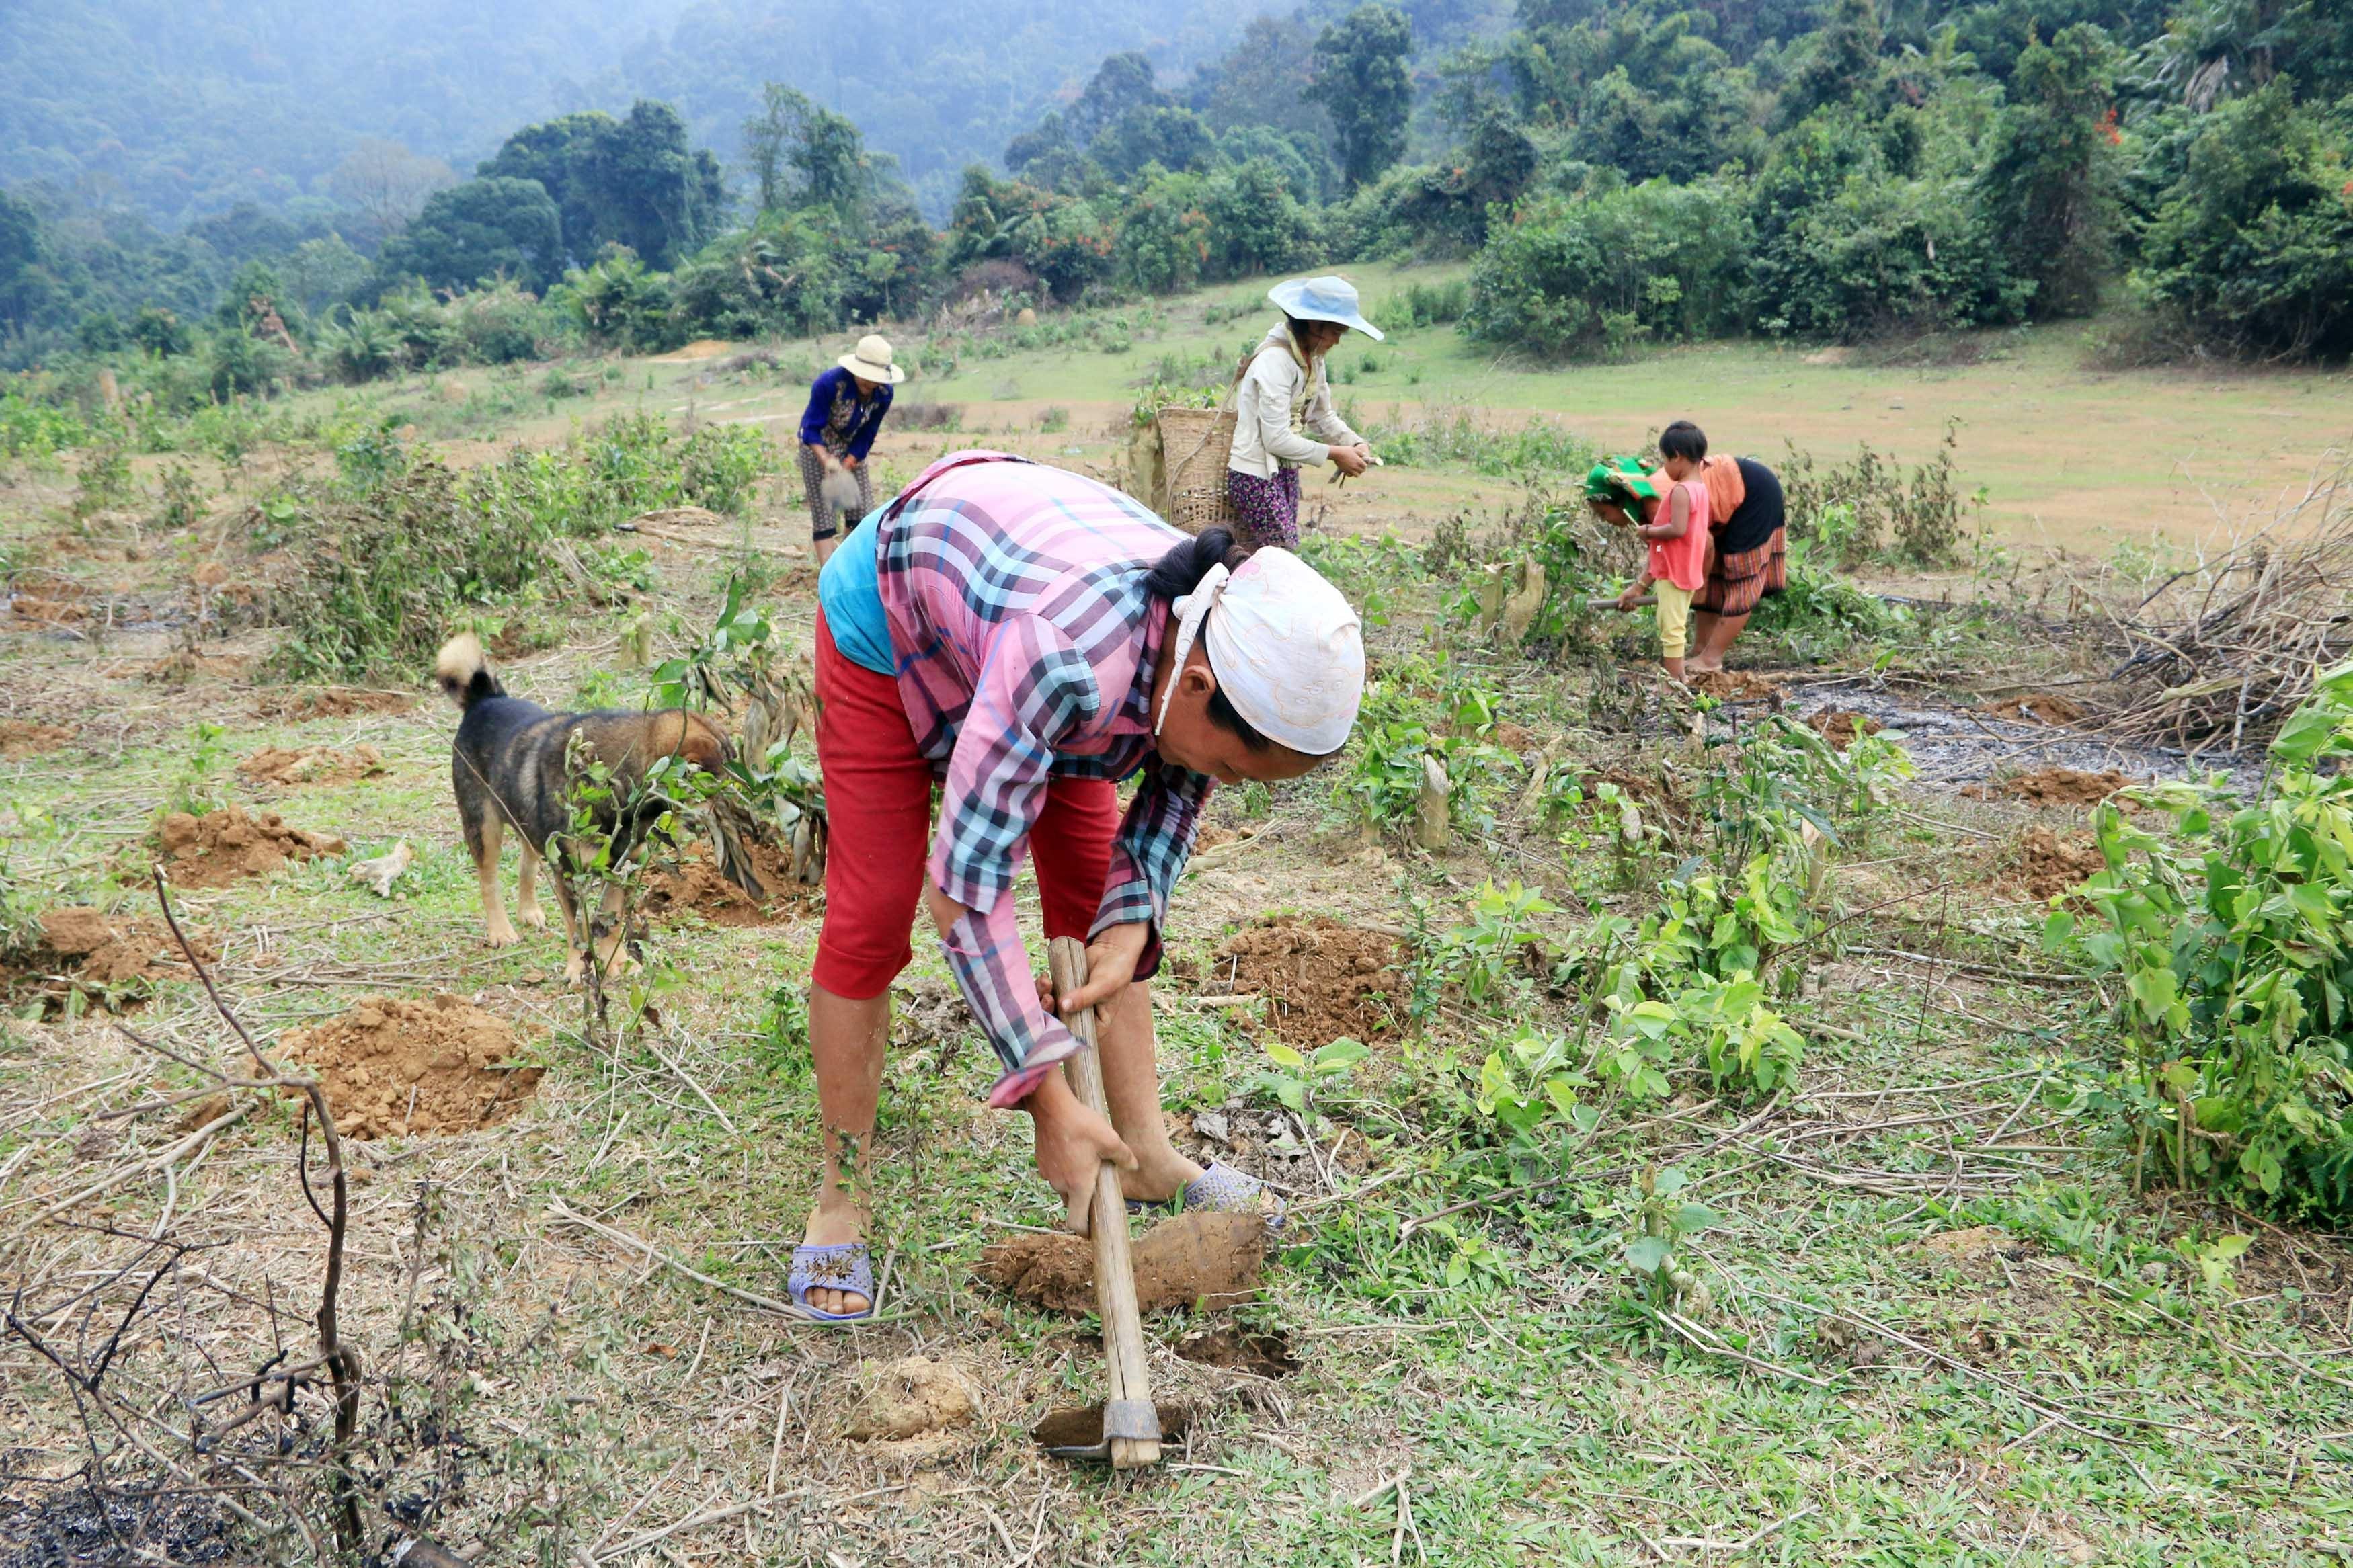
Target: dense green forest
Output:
[(1621, 173)]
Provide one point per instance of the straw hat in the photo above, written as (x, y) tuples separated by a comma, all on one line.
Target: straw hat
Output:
[(870, 360), (1323, 299)]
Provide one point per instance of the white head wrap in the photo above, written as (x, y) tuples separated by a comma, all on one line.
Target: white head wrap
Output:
[(1288, 652)]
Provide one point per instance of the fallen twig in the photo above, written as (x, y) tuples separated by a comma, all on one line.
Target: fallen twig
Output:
[(560, 1210)]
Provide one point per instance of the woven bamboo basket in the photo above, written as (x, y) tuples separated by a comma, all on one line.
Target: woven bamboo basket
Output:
[(1194, 446)]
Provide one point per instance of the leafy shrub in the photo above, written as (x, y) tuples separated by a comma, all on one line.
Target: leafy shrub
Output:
[(1848, 247), (397, 545), (36, 427), (500, 325), (2253, 249), (618, 303), (1422, 305), (361, 347), (1865, 510), (104, 480), (1600, 274), (2230, 937)]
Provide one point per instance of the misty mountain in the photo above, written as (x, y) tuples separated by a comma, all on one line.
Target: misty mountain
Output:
[(182, 110)]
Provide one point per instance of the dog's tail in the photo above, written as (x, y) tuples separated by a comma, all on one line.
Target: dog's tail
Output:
[(464, 673)]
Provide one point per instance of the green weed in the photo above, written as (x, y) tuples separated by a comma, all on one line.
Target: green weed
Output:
[(2229, 936)]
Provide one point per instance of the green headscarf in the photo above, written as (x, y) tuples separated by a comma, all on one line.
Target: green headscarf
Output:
[(1623, 479)]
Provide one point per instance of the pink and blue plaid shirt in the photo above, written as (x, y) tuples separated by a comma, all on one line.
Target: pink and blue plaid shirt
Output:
[(1026, 647)]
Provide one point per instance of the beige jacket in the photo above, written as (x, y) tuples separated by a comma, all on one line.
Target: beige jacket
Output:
[(1280, 395)]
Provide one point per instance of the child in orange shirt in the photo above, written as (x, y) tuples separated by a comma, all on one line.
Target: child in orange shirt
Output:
[(1677, 537)]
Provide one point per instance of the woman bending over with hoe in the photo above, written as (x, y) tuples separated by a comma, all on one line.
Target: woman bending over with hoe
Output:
[(846, 407), (1026, 637)]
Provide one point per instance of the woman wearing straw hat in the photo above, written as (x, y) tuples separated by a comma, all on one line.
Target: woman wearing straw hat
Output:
[(845, 410), (1025, 638), (1283, 416)]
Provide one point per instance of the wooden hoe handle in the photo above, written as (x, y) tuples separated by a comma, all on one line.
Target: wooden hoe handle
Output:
[(1130, 1381)]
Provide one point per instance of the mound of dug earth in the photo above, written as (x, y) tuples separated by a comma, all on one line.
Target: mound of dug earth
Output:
[(334, 702), (2052, 786), (1840, 727), (913, 1397), (312, 765), (696, 888), (1211, 1258), (1321, 979), (2049, 864), (110, 951), (392, 1066), (21, 738), (2043, 709), (1736, 686), (221, 847), (86, 951)]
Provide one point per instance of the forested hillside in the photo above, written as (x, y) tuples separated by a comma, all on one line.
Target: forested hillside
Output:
[(1621, 173), (180, 112)]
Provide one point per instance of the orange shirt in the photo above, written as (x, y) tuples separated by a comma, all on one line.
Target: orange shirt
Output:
[(1725, 488)]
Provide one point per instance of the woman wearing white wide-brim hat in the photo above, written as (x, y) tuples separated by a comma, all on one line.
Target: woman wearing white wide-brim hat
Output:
[(845, 410), (1283, 413)]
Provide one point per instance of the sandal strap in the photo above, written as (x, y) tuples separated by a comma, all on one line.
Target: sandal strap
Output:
[(834, 1266), (1223, 1188)]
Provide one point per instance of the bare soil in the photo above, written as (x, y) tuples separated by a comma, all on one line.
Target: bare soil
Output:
[(41, 610), (2049, 864), (1736, 686), (1083, 1428), (333, 702), (22, 738), (312, 765), (225, 845), (1840, 727), (88, 950), (1324, 980), (696, 888), (1237, 1348), (2051, 786), (394, 1067), (2040, 708), (914, 1396), (1206, 1258)]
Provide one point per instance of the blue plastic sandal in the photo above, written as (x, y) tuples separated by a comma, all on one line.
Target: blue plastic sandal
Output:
[(1221, 1189), (842, 1266)]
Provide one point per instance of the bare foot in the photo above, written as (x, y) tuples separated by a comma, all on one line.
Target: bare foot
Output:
[(1160, 1172)]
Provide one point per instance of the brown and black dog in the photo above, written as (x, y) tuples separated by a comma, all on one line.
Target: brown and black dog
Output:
[(513, 768)]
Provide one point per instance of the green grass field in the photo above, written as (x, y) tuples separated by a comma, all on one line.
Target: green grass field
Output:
[(2068, 457)]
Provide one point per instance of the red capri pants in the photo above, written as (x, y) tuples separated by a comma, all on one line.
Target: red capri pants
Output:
[(877, 798)]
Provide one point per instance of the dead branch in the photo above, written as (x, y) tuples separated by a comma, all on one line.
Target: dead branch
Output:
[(2221, 654)]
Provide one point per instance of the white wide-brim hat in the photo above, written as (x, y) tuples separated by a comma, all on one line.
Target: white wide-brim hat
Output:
[(871, 360), (1323, 299)]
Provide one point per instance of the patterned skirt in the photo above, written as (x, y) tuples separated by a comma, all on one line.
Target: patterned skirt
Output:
[(823, 521), (1268, 508), (1736, 584)]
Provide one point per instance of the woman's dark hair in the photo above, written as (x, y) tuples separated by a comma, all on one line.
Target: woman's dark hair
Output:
[(1682, 439), (1299, 326), (1180, 571)]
